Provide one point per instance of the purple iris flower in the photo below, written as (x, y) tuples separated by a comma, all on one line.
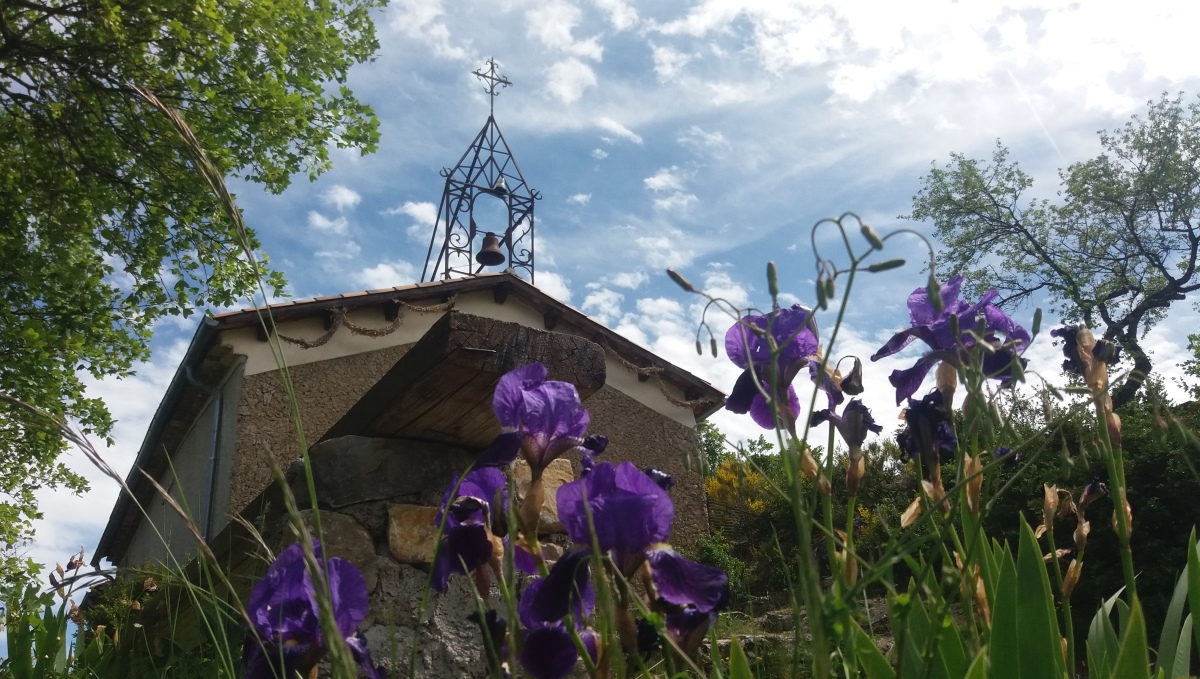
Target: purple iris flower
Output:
[(663, 479), (541, 419), (853, 424), (472, 516), (794, 332), (549, 651), (937, 331), (928, 431), (287, 638), (629, 510)]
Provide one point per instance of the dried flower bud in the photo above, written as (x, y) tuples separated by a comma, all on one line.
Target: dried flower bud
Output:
[(852, 383), (712, 344), (1049, 505), (1072, 577), (911, 514), (947, 381), (809, 466), (1082, 529), (856, 468), (1058, 554), (973, 469), (1113, 421)]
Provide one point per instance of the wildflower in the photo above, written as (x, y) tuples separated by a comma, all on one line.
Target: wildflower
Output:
[(1092, 492), (952, 334), (286, 640), (540, 419), (628, 509), (549, 650), (853, 425), (793, 331), (660, 477), (929, 431), (632, 518), (473, 516)]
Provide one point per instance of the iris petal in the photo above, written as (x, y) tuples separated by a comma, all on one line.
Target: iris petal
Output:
[(548, 653), (684, 582)]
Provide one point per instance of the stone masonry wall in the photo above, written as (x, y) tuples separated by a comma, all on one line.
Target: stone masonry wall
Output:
[(326, 390)]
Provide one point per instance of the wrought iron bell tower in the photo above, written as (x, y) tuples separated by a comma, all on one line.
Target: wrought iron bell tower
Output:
[(486, 183)]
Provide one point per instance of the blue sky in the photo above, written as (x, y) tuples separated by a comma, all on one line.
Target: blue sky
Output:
[(705, 136)]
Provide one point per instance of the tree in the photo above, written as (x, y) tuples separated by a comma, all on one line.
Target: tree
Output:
[(1115, 251), (104, 227)]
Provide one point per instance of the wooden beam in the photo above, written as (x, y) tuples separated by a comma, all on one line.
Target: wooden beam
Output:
[(441, 389)]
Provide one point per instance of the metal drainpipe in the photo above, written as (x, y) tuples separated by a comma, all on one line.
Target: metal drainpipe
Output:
[(210, 485)]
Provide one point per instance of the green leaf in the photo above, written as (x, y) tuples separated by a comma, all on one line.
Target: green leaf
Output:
[(1193, 577), (1005, 647), (1037, 626), (873, 662), (1169, 638), (978, 668), (1102, 643), (1183, 651), (1134, 659), (739, 667)]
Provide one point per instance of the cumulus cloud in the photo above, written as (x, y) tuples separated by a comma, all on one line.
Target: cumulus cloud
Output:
[(627, 279), (666, 179), (387, 275), (341, 197), (554, 285), (424, 216), (604, 305), (580, 198), (552, 24), (599, 154), (620, 13), (421, 20), (320, 222), (665, 251), (614, 127), (567, 79), (696, 137), (669, 62)]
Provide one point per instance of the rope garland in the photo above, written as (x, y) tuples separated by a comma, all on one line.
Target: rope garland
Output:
[(340, 320), (656, 371)]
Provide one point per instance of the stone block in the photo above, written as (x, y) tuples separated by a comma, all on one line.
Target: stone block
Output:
[(554, 476), (354, 469), (412, 533), (343, 537)]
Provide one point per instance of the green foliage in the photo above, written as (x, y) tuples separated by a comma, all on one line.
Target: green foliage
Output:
[(104, 227), (1116, 251), (715, 551)]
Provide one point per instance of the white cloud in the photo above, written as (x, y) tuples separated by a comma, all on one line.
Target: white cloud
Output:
[(345, 251), (668, 62), (627, 279), (424, 213), (568, 79), (387, 275), (666, 179), (679, 202), (580, 198), (554, 285), (341, 197), (610, 125), (604, 305), (419, 19), (695, 136), (599, 154), (552, 23), (665, 251), (320, 222), (620, 13)]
